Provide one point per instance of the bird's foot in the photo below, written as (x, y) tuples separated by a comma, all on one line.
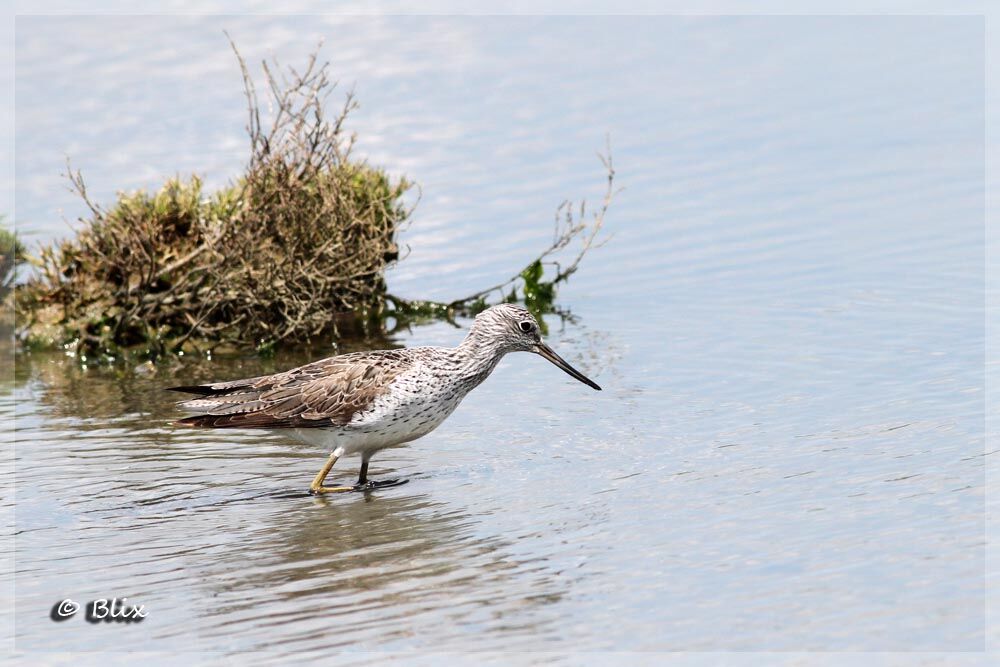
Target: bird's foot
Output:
[(380, 484), (322, 490)]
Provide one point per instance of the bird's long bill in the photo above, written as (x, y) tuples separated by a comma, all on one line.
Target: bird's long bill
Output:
[(549, 354)]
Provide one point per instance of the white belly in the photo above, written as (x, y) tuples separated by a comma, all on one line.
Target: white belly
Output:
[(394, 419)]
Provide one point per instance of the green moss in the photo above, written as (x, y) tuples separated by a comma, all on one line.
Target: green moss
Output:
[(538, 294)]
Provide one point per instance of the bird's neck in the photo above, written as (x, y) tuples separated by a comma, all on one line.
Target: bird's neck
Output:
[(477, 357)]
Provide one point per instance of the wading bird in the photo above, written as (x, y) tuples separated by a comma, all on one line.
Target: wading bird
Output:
[(363, 402)]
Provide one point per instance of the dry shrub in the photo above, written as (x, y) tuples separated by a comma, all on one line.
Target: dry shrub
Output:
[(11, 255), (299, 243)]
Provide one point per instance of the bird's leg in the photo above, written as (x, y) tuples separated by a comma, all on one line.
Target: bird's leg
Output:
[(317, 488), (365, 484)]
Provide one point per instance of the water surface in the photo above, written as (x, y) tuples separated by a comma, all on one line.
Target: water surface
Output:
[(788, 325)]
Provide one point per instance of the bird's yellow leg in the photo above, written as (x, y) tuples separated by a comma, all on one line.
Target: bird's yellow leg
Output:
[(317, 484)]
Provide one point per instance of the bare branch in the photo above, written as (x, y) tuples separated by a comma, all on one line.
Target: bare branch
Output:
[(567, 229)]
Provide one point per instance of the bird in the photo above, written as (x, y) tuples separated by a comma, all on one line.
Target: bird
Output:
[(364, 402)]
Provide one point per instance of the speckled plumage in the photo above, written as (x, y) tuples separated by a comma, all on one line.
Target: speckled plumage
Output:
[(366, 401)]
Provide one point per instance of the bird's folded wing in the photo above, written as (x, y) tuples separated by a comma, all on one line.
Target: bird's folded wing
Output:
[(325, 393)]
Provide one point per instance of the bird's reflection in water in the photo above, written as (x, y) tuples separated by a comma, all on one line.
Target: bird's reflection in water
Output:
[(377, 567)]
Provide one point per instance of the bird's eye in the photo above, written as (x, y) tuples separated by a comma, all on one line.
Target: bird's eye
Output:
[(526, 326)]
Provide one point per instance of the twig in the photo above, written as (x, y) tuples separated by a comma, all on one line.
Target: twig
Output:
[(562, 237)]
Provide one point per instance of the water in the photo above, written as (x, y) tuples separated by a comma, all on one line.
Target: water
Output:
[(788, 324)]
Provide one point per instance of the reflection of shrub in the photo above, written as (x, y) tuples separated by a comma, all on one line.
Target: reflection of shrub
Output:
[(303, 236)]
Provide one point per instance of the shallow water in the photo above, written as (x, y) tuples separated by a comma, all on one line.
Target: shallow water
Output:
[(788, 324)]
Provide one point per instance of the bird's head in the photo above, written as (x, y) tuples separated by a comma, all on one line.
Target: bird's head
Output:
[(510, 327)]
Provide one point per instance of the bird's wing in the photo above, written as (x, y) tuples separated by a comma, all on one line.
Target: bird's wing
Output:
[(325, 393)]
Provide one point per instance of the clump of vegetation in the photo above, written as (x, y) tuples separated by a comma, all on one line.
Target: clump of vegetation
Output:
[(11, 254), (293, 250), (306, 232)]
